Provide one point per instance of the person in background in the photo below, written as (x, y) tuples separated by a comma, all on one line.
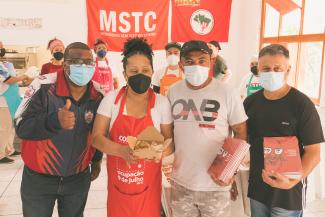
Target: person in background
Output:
[(164, 78), (219, 68), (127, 113), (56, 47), (250, 83), (279, 110), (248, 86), (103, 77), (204, 110), (55, 121), (9, 102)]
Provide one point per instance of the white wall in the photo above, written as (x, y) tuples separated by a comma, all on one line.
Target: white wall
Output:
[(243, 37), (66, 19)]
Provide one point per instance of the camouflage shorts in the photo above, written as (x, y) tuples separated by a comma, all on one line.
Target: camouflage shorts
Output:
[(187, 203)]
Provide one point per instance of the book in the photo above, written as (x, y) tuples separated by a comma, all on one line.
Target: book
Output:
[(228, 159), (282, 155)]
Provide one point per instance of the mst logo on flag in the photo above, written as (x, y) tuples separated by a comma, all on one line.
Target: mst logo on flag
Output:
[(201, 20), (117, 20)]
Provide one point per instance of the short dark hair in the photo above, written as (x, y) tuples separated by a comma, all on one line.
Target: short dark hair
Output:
[(135, 46), (216, 44), (195, 45), (174, 45), (274, 49), (75, 45)]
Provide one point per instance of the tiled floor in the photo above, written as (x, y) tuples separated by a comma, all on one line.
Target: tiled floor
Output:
[(10, 204)]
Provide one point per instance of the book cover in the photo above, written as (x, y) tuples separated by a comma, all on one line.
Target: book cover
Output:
[(282, 155)]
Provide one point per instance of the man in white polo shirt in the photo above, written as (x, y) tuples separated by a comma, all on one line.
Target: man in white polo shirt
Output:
[(205, 112)]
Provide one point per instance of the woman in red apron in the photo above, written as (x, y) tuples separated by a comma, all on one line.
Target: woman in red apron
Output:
[(134, 185), (103, 76)]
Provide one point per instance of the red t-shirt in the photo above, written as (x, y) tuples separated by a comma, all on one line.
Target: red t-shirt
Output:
[(50, 68)]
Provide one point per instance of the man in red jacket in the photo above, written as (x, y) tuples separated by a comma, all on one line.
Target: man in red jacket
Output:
[(55, 121)]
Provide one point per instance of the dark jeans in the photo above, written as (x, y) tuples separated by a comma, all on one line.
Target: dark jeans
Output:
[(258, 209), (39, 193)]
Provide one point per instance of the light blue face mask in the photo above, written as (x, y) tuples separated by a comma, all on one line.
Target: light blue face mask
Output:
[(81, 74), (271, 81)]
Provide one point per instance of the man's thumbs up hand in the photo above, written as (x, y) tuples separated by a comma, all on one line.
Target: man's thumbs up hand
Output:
[(67, 105), (66, 117)]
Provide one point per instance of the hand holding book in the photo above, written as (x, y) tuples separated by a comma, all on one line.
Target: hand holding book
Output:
[(277, 180), (282, 157)]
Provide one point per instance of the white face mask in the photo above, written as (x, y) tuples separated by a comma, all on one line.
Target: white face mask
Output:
[(172, 60), (272, 81), (196, 75)]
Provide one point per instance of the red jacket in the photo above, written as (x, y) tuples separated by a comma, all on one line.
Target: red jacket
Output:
[(46, 148)]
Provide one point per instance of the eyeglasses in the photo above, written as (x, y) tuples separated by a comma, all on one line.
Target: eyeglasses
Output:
[(88, 62)]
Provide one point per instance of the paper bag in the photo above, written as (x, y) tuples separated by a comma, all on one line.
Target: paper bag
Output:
[(149, 144)]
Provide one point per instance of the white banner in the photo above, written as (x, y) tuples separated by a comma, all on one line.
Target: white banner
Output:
[(20, 23)]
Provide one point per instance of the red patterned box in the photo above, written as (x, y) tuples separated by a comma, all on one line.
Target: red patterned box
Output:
[(228, 159)]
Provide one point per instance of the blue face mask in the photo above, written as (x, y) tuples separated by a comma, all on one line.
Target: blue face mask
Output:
[(81, 74), (272, 81), (101, 53)]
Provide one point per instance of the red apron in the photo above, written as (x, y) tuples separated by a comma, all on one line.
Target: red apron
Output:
[(135, 191), (168, 80), (104, 77)]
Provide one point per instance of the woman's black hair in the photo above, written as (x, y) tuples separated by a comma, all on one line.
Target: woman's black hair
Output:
[(135, 46)]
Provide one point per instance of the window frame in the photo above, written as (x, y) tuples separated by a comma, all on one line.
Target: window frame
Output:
[(299, 39)]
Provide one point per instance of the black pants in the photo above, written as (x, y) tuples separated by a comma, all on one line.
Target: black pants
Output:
[(39, 193)]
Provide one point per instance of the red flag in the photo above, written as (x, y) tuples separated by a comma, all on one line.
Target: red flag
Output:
[(204, 20), (117, 20)]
